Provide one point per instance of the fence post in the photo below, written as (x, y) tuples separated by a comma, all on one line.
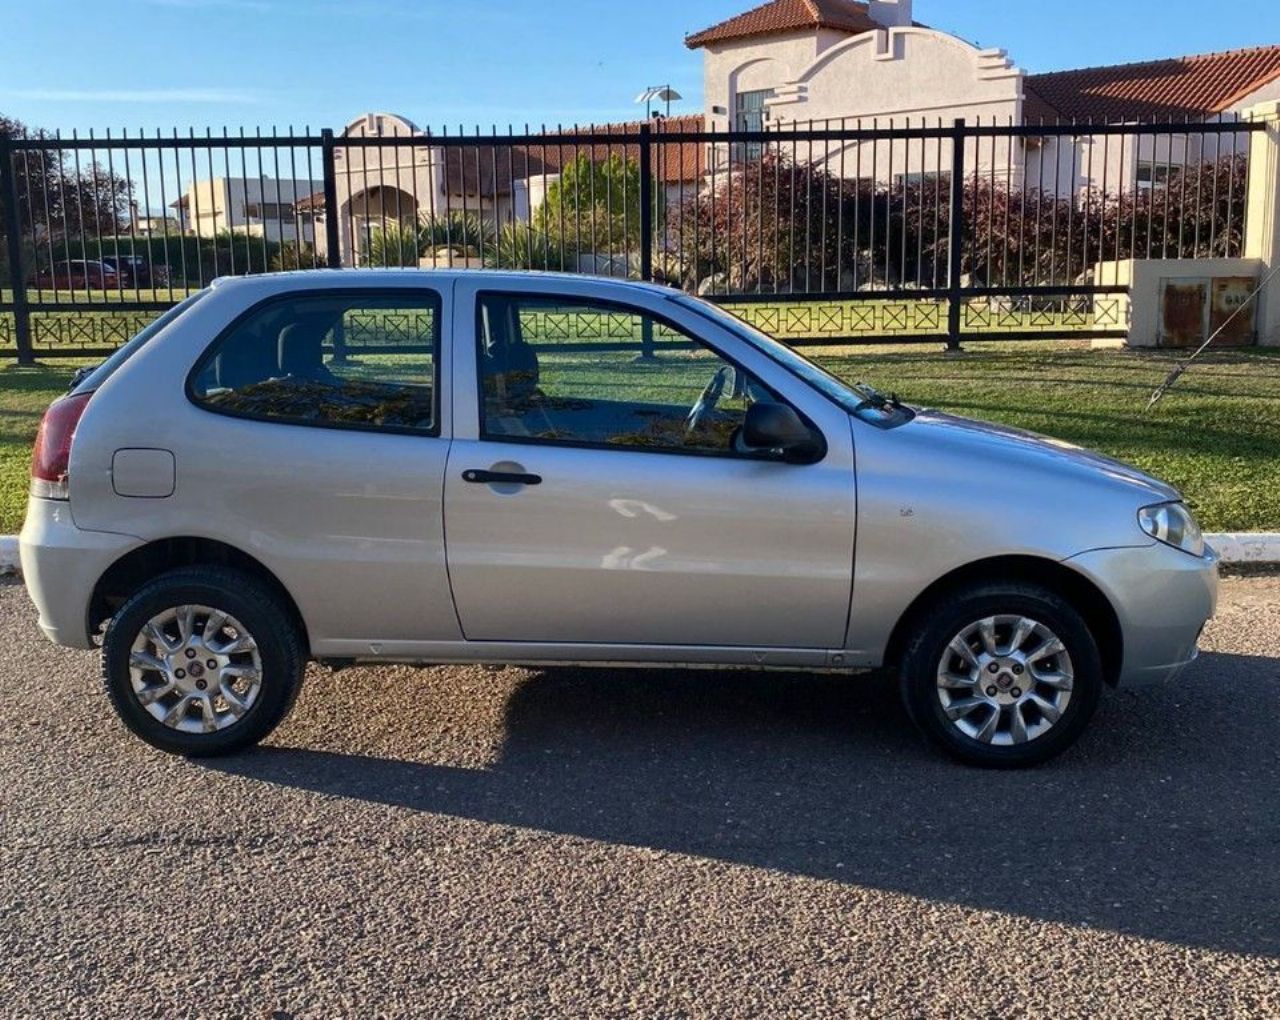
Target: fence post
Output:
[(646, 202), (1262, 219), (646, 231), (332, 237), (333, 242), (955, 245), (13, 240)]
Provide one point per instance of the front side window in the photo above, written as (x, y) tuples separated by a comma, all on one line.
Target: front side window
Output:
[(358, 360), (570, 371)]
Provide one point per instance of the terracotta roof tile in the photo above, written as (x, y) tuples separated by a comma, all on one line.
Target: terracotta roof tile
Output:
[(1200, 85), (312, 201), (481, 168), (787, 16)]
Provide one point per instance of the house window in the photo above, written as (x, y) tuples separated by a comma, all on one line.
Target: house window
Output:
[(915, 179), (750, 114), (1152, 175), (270, 210)]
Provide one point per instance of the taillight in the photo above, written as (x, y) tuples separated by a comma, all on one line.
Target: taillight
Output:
[(52, 454)]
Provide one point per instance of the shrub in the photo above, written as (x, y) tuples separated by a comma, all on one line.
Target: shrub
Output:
[(455, 229), (520, 246), (392, 245), (774, 225), (771, 225), (295, 256)]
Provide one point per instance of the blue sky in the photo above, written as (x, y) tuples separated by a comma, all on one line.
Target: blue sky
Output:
[(160, 63)]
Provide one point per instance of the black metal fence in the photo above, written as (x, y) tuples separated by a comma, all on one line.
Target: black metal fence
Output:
[(832, 233)]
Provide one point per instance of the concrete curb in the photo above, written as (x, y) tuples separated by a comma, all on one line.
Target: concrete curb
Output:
[(1239, 549), (1247, 547)]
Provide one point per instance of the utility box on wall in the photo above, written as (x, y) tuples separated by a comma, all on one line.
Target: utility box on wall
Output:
[(1181, 302), (1191, 311)]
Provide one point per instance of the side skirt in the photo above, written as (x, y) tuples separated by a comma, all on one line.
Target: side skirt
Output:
[(551, 654)]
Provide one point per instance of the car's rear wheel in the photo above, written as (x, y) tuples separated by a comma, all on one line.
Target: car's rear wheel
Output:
[(202, 661), (1002, 675)]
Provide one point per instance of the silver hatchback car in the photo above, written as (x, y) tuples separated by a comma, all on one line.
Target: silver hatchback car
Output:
[(538, 469)]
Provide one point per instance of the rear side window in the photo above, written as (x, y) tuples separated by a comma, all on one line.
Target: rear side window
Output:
[(363, 360)]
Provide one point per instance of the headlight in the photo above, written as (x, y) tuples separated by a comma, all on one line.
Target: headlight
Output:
[(1172, 524)]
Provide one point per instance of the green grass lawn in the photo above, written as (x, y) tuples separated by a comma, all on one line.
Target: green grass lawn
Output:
[(1216, 436)]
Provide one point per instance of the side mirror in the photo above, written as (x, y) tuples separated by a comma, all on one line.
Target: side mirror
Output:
[(777, 427)]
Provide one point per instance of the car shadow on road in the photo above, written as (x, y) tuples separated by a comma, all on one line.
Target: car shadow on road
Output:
[(1163, 823)]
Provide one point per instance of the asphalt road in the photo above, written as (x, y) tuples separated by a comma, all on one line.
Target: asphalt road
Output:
[(462, 842)]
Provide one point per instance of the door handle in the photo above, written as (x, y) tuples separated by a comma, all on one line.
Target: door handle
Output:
[(479, 477)]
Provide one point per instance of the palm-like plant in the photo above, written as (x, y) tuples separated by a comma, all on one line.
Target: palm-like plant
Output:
[(520, 246), (393, 244), (467, 232)]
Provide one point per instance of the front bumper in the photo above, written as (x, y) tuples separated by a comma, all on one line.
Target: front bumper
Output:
[(1162, 597), (61, 565)]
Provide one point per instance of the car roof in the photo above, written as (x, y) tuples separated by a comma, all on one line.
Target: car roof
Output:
[(493, 278)]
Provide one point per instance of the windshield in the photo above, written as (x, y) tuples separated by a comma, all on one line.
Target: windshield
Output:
[(858, 399), (88, 381)]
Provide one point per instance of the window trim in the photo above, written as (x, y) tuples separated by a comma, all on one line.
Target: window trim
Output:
[(210, 352), (483, 437)]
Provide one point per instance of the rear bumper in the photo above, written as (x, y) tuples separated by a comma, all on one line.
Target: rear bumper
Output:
[(61, 564), (1163, 598)]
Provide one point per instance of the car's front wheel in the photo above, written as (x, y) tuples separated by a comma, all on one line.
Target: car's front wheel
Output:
[(1002, 675), (202, 661)]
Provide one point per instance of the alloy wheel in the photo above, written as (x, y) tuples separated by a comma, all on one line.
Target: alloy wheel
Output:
[(195, 668), (1005, 680)]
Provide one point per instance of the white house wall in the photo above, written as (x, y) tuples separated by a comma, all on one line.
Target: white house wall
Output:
[(902, 77), (1217, 146), (1268, 93)]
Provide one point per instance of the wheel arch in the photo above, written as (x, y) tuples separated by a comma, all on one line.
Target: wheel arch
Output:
[(138, 566), (1087, 598)]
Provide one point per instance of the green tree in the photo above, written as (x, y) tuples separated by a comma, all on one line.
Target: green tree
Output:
[(595, 205), (61, 196)]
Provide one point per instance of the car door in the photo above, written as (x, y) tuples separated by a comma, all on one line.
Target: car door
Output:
[(581, 508)]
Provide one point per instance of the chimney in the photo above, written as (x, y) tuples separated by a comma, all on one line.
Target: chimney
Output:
[(890, 13)]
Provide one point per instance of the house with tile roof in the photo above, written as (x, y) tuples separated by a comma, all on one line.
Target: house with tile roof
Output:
[(407, 183), (870, 64)]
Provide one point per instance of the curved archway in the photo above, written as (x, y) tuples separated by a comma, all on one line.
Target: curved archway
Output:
[(370, 214)]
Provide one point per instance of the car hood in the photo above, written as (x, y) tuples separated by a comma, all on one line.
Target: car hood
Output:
[(1009, 447)]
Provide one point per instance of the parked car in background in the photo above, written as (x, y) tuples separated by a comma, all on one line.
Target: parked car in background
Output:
[(497, 477), (133, 270), (78, 274)]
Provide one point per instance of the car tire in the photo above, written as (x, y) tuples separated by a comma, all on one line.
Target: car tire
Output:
[(239, 684), (1012, 699)]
